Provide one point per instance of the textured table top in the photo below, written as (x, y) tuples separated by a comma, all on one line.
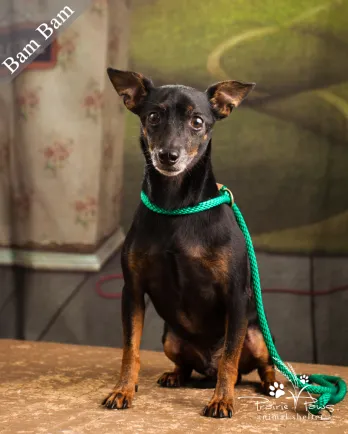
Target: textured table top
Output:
[(56, 388)]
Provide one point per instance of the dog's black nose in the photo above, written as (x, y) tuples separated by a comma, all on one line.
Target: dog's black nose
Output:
[(168, 158)]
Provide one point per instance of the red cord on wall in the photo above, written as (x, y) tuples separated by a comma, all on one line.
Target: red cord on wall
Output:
[(101, 293), (118, 295)]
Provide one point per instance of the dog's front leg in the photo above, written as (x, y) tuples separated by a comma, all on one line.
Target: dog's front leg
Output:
[(133, 310), (222, 402)]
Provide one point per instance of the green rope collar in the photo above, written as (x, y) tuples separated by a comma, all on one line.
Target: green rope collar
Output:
[(330, 389), (224, 197)]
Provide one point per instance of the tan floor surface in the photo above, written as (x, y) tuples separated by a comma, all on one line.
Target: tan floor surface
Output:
[(55, 388)]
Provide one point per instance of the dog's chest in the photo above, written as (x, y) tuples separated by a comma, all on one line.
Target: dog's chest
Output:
[(186, 284), (180, 266)]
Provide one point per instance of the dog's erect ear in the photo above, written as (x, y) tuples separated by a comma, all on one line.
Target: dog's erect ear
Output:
[(133, 87), (226, 95)]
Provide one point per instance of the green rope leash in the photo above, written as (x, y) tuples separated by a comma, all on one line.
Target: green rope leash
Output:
[(330, 389)]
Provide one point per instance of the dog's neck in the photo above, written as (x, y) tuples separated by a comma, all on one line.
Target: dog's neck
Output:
[(190, 187)]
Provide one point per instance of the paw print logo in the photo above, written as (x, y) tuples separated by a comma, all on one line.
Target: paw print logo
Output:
[(304, 379), (276, 390)]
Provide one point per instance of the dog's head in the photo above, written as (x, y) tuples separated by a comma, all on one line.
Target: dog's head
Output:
[(176, 120)]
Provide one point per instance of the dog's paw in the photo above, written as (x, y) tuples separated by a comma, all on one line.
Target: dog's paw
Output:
[(276, 389), (119, 399), (219, 408), (170, 379)]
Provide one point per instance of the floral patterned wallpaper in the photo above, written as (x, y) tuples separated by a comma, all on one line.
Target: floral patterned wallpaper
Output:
[(61, 139)]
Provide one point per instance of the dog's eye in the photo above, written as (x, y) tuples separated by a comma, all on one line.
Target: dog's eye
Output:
[(197, 122), (154, 118)]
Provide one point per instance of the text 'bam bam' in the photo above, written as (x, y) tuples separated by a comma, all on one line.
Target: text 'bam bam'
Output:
[(46, 30)]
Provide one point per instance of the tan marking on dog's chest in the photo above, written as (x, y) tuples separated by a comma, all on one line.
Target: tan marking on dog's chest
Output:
[(215, 260)]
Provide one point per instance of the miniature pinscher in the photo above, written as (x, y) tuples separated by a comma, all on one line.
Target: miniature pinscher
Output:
[(193, 267)]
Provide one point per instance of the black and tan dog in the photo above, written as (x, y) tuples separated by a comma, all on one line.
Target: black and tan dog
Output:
[(193, 267)]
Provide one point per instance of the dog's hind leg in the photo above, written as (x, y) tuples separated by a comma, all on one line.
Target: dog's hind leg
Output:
[(266, 372), (184, 357), (261, 359)]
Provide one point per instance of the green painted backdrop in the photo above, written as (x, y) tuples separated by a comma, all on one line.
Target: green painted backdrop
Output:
[(284, 152)]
